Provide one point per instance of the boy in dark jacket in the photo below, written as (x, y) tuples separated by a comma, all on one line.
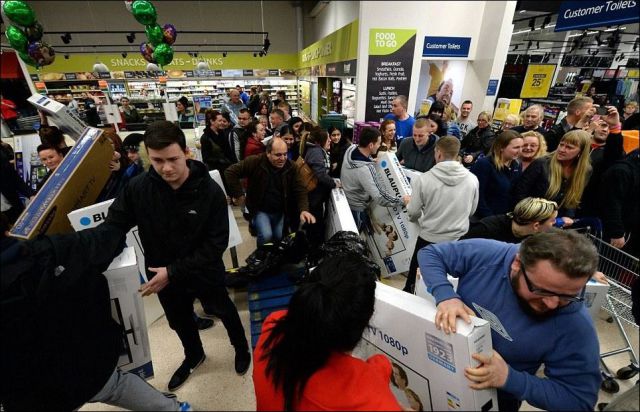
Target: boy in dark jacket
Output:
[(182, 220)]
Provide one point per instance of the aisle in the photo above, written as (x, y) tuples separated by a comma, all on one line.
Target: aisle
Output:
[(215, 385)]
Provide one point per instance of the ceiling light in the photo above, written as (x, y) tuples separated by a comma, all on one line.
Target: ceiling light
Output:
[(124, 55), (66, 56), (224, 54), (66, 38), (522, 11), (131, 37)]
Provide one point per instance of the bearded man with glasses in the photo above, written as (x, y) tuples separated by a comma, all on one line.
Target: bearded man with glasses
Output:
[(532, 295)]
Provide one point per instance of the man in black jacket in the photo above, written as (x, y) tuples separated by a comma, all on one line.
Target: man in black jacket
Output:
[(580, 108), (182, 220), (60, 344)]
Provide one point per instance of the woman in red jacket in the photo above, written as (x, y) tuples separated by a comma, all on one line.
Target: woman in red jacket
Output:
[(254, 146), (303, 358)]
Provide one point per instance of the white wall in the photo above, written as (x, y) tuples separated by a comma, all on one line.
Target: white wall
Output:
[(335, 15), (483, 21)]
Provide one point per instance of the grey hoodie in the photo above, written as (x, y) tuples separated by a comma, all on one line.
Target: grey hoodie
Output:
[(442, 201), (361, 183)]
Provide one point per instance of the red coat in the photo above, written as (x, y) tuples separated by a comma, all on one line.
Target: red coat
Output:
[(253, 147), (8, 109), (344, 383)]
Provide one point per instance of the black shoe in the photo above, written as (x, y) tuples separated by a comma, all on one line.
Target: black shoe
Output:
[(243, 360), (204, 323), (181, 375)]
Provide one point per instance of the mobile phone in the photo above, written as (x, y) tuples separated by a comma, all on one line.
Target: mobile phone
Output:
[(602, 110)]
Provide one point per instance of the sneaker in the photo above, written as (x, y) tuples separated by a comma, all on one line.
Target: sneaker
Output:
[(185, 406), (243, 360), (181, 375), (204, 323)]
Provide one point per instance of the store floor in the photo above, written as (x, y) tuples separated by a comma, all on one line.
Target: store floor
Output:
[(215, 385)]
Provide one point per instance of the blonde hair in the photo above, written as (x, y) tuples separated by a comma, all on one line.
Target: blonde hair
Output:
[(533, 209), (578, 179), (486, 115), (578, 103), (499, 143), (542, 143), (449, 146), (633, 104), (512, 118)]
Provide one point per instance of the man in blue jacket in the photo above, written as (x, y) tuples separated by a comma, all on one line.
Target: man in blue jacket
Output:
[(531, 294)]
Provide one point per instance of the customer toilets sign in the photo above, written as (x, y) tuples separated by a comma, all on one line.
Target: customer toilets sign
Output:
[(584, 14), (446, 46), (389, 73)]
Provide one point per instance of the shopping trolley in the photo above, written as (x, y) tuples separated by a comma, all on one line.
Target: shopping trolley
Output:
[(621, 270)]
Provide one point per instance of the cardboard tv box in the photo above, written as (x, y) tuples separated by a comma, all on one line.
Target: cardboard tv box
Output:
[(403, 329), (127, 308), (391, 235), (66, 120), (339, 214), (76, 183)]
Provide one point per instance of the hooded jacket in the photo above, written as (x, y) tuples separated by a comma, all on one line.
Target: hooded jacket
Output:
[(361, 183), (420, 159), (443, 199), (185, 230)]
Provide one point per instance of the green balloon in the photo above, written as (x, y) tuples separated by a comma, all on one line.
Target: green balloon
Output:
[(144, 12), (27, 59), (19, 12), (163, 54), (17, 38), (154, 34)]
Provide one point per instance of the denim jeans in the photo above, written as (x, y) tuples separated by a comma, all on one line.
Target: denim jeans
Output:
[(268, 226), (361, 219)]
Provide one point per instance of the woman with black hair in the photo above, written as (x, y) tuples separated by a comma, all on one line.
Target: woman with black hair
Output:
[(339, 145), (303, 358)]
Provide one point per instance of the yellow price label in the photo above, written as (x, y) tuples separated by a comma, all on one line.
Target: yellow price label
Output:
[(537, 81)]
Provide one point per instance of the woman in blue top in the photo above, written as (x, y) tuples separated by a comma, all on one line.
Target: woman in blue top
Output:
[(496, 173)]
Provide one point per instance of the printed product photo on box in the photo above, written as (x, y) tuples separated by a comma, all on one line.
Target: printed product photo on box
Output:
[(427, 365), (339, 215), (76, 183), (66, 120), (391, 236), (127, 309)]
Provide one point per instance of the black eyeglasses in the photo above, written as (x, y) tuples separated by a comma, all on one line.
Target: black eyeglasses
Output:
[(543, 292)]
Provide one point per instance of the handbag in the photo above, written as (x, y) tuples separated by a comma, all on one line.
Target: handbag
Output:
[(308, 178)]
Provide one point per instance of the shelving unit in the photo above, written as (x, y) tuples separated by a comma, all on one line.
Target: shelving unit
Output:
[(64, 90)]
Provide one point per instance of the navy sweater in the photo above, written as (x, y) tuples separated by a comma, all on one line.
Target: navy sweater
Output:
[(495, 186)]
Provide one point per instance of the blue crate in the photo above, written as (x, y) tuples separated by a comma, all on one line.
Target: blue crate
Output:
[(271, 293), (279, 301)]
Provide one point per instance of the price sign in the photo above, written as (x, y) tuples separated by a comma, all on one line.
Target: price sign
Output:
[(537, 81)]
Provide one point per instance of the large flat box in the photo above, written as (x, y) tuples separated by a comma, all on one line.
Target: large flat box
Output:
[(411, 174), (66, 120), (431, 362), (235, 238), (391, 236), (127, 309), (339, 215), (76, 183)]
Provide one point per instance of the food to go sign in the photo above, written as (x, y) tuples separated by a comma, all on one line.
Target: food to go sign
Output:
[(537, 81)]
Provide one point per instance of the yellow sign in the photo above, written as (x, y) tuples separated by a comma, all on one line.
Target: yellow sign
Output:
[(181, 61), (538, 80), (633, 73), (341, 45)]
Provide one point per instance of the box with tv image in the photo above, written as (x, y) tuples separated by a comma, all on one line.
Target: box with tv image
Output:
[(76, 183), (427, 365), (127, 308)]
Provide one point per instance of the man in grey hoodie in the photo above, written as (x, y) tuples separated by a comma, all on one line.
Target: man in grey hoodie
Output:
[(361, 182), (443, 200)]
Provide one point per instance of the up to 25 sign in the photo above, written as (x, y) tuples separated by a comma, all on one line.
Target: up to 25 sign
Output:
[(537, 81)]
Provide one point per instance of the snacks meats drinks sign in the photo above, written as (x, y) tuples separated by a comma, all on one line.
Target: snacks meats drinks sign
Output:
[(390, 62)]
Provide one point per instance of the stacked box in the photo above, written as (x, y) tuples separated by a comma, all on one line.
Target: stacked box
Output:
[(66, 120), (270, 294), (76, 183), (391, 236), (432, 361), (127, 309), (339, 215)]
